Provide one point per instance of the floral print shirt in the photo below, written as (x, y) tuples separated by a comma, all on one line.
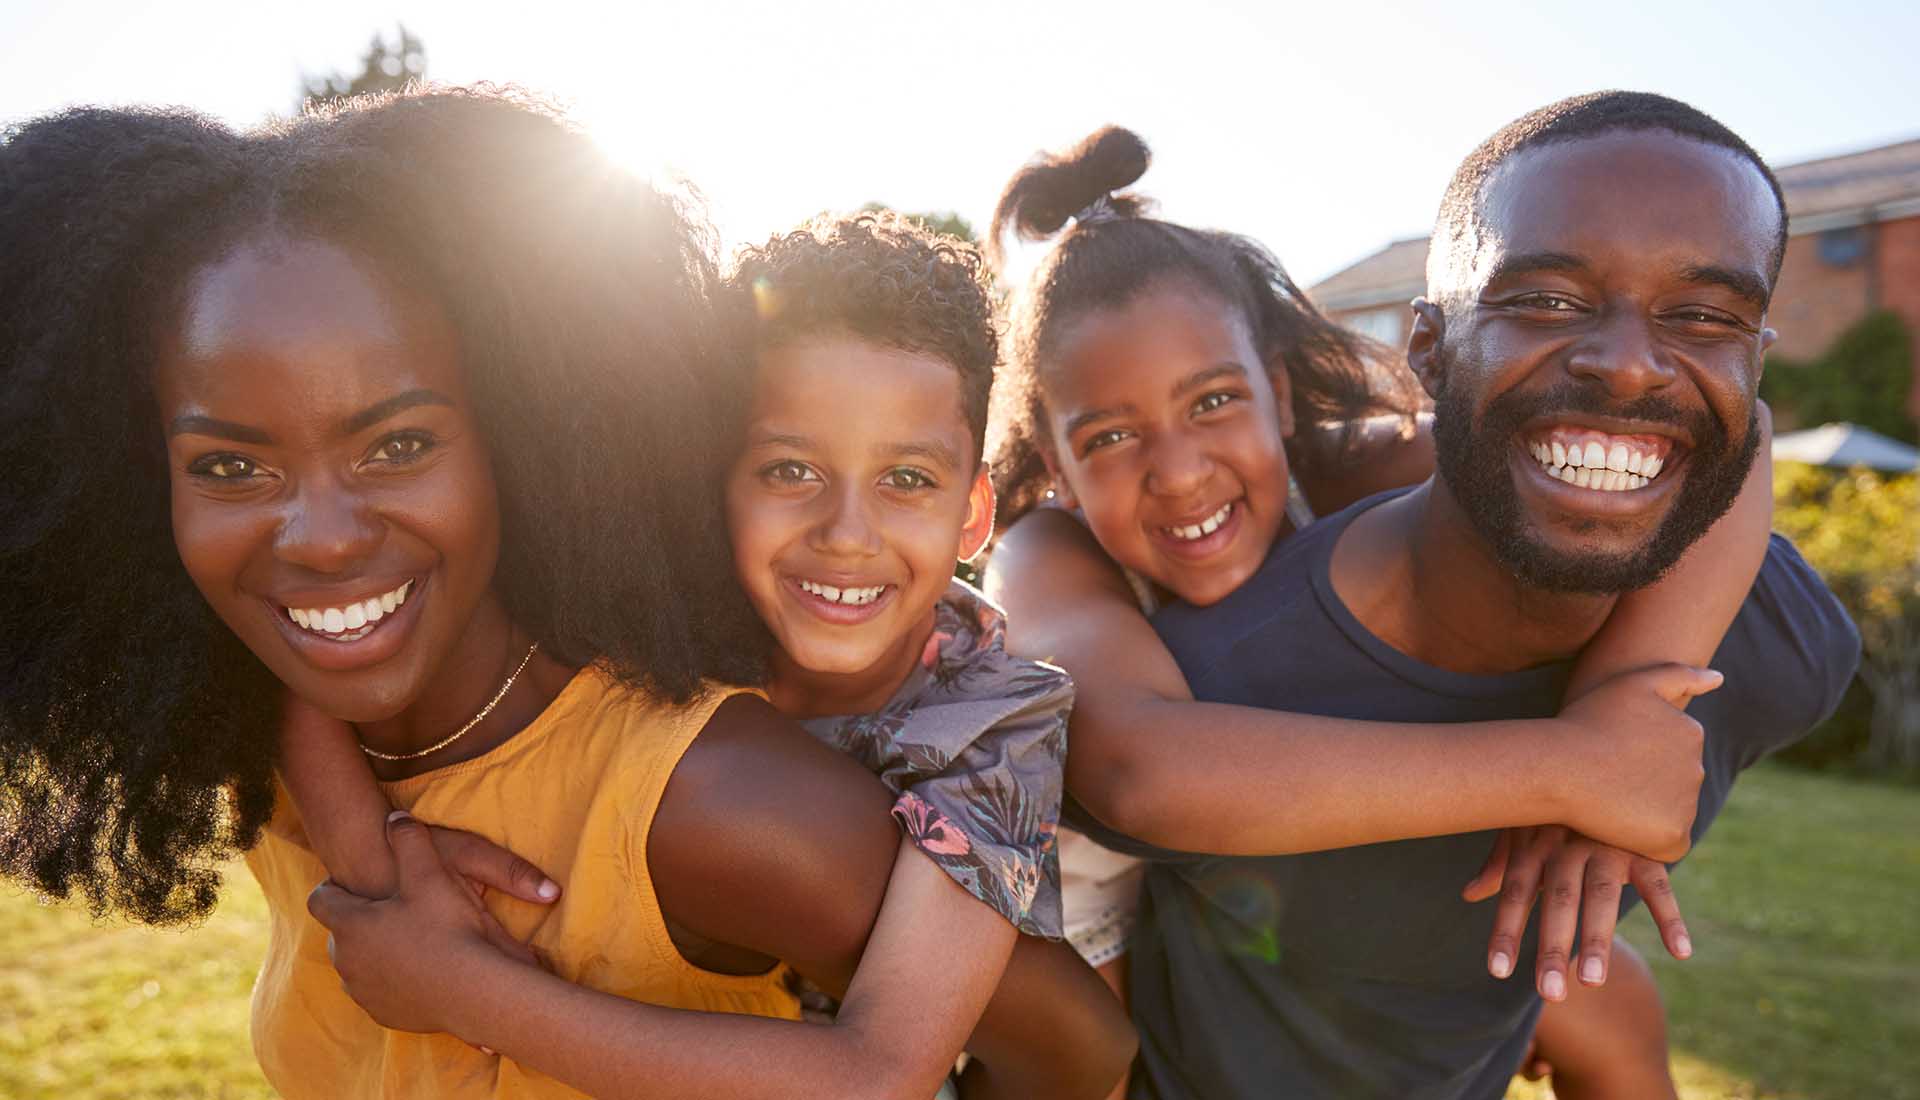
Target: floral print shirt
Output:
[(974, 744)]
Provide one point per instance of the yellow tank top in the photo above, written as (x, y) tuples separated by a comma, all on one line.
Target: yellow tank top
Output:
[(575, 792)]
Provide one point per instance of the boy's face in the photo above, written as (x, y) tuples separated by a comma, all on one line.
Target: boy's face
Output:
[(857, 491), (1170, 437)]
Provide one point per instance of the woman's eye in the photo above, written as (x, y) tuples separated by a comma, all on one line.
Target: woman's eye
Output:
[(906, 477), (1212, 401), (403, 447), (787, 472), (224, 467)]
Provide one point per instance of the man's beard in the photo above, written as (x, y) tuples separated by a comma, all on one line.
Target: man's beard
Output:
[(1473, 460)]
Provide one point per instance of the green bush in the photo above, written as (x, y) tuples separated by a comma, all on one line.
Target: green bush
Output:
[(1864, 378)]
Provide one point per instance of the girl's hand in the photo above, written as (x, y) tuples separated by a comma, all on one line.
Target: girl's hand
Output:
[(402, 958), (1580, 880), (1635, 760)]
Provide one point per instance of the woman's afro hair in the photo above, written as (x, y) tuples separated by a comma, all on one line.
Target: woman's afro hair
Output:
[(1113, 252), (136, 733)]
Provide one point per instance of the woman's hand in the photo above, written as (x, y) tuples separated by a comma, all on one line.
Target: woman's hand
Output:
[(403, 958), (1581, 880), (1634, 762)]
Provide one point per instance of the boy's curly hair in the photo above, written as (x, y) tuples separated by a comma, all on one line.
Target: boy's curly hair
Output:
[(881, 277), (136, 732)]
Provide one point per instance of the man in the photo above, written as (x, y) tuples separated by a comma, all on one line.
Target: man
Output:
[(1599, 274)]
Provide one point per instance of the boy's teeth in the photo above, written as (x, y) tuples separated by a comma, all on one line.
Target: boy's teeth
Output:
[(1618, 465), (351, 617), (1204, 528), (854, 597)]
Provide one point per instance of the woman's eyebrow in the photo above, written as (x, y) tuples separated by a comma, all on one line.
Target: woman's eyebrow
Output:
[(400, 402), (195, 424)]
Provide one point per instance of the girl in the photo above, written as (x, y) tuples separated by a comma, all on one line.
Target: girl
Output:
[(316, 423), (1129, 388)]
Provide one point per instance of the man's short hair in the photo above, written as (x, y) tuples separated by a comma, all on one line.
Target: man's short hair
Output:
[(1571, 119)]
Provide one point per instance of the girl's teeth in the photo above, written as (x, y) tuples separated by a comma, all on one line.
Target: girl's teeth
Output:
[(1205, 527)]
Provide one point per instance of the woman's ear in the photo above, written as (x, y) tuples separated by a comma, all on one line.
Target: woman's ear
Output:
[(1424, 340), (979, 526)]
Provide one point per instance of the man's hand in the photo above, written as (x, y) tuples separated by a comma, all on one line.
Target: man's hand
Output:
[(1580, 880), (1635, 760), (401, 958)]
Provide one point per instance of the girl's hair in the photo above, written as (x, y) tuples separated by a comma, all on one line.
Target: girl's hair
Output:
[(1114, 252), (136, 732)]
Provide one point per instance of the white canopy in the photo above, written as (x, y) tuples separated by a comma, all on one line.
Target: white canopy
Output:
[(1846, 445)]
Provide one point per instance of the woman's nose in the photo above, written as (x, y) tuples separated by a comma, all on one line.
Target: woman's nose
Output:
[(328, 529)]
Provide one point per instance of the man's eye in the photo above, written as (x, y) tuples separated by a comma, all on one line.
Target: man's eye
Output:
[(1212, 401), (403, 447), (787, 472), (224, 467), (1552, 303), (906, 477)]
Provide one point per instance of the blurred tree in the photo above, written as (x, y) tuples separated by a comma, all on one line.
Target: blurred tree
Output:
[(383, 68), (1861, 531), (948, 222), (1863, 378)]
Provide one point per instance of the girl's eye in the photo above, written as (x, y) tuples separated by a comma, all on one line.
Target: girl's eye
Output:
[(1212, 401), (906, 477), (224, 467), (403, 447), (1102, 439), (787, 472)]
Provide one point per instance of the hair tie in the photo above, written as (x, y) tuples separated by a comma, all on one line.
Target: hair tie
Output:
[(1099, 210)]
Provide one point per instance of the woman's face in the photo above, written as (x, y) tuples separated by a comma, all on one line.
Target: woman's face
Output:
[(1169, 436), (332, 496)]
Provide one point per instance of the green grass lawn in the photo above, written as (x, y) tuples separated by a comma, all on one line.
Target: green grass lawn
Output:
[(1804, 905)]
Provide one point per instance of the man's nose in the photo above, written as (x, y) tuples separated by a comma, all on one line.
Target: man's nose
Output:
[(1623, 355), (328, 529)]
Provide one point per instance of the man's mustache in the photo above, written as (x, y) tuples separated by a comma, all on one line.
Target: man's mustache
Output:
[(1514, 409)]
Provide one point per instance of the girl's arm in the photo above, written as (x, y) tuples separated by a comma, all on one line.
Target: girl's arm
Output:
[(1622, 771), (769, 841)]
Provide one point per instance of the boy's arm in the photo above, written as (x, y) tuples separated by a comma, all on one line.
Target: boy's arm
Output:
[(1152, 763), (1684, 616), (765, 840)]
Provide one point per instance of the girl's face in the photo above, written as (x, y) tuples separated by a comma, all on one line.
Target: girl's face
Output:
[(332, 497), (1169, 436), (857, 491)]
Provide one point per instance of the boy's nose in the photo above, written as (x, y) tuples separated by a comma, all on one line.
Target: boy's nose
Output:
[(844, 528)]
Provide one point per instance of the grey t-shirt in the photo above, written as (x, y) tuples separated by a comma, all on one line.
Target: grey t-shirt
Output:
[(1360, 972)]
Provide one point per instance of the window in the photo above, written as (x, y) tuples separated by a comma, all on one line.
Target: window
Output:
[(1382, 324)]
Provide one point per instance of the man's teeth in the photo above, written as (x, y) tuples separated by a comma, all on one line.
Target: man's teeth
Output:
[(1613, 469), (351, 617), (1204, 528), (852, 597)]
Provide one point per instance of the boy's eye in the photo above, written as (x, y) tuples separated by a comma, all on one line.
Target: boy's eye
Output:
[(787, 472), (906, 477), (1212, 401), (403, 447), (224, 467)]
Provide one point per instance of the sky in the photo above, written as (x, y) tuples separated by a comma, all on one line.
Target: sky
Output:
[(1324, 130)]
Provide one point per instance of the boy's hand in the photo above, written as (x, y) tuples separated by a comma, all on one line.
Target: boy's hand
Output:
[(1634, 761), (402, 958), (1580, 880)]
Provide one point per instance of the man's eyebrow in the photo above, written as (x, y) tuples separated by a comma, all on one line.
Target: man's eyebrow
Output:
[(932, 449), (1205, 375), (400, 402), (1527, 263), (195, 424), (1744, 283)]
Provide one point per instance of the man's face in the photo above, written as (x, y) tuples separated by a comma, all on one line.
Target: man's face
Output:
[(1595, 381)]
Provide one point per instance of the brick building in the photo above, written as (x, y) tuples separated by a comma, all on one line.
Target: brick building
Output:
[(1853, 246)]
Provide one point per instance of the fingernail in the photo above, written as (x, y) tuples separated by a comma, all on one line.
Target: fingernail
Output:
[(1554, 986), (1502, 966), (548, 889), (1591, 972), (1682, 946), (488, 1050), (398, 815)]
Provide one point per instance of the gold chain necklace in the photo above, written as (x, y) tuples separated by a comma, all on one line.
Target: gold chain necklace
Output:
[(462, 731)]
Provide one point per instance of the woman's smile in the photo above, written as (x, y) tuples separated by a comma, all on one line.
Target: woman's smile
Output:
[(335, 633)]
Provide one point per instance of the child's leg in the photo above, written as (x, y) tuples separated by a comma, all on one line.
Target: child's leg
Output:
[(1114, 973), (1608, 1043)]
